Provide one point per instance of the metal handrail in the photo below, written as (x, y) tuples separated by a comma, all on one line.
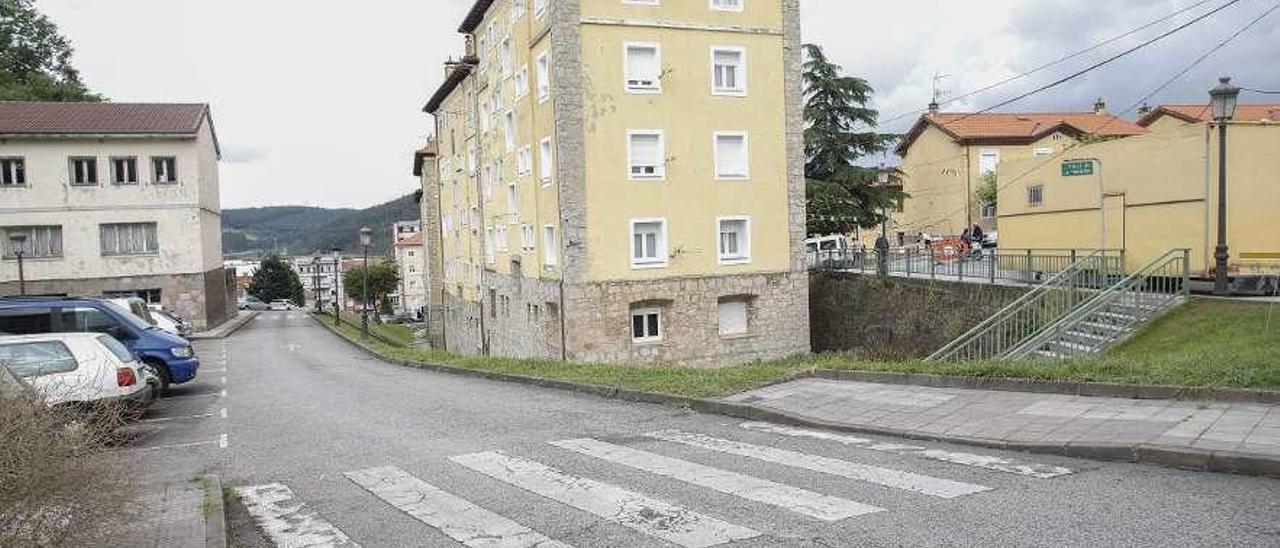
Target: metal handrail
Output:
[(1027, 314), (1126, 287)]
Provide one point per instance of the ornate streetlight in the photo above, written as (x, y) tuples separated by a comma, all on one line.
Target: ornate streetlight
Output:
[(337, 279), (17, 240), (366, 238), (1223, 99)]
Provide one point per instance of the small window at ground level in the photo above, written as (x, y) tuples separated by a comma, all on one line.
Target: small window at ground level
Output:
[(1035, 195), (733, 316), (646, 325)]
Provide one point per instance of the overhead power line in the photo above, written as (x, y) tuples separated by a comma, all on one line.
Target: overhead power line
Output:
[(1230, 38), (1055, 62), (1097, 65), (1264, 92)]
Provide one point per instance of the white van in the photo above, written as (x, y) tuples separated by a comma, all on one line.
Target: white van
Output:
[(88, 369)]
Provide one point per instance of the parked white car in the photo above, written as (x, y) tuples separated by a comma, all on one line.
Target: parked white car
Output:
[(281, 304), (89, 369)]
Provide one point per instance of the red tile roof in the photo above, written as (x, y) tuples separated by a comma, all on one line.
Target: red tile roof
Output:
[(1013, 128), (1195, 113), (43, 118), (415, 239)]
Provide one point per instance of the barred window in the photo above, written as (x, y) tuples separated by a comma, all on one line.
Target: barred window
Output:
[(41, 241), (129, 239)]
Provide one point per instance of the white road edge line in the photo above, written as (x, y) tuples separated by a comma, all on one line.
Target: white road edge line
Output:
[(174, 446), (801, 501), (182, 418), (456, 517), (222, 441), (223, 413), (999, 464), (887, 477), (650, 516), (286, 521)]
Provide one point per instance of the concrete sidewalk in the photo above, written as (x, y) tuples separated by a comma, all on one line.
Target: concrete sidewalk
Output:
[(1236, 437), (226, 328)]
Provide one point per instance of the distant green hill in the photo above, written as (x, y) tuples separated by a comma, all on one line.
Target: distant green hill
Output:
[(300, 230)]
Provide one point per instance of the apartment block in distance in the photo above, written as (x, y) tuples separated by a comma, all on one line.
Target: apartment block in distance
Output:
[(114, 200), (620, 181)]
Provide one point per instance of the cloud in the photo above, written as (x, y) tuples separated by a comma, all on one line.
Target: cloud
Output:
[(236, 153)]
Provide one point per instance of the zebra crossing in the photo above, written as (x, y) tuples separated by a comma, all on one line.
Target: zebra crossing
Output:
[(287, 521)]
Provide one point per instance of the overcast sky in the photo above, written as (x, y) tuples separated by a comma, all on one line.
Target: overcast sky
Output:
[(319, 103)]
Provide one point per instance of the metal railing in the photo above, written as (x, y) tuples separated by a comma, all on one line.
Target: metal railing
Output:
[(1043, 306), (1112, 315), (1017, 266)]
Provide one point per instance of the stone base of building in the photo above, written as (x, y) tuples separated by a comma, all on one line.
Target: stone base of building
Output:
[(206, 299), (600, 323), (520, 317)]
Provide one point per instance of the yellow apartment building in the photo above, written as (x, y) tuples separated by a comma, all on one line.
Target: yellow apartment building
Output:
[(620, 181), (946, 156), (1152, 193)]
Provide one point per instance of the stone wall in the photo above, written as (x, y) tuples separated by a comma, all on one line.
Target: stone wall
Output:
[(897, 318), (599, 319), (522, 316), (206, 299), (461, 325)]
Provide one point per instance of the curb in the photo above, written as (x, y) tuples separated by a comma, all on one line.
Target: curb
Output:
[(1070, 388), (215, 519), (1189, 459), (208, 335)]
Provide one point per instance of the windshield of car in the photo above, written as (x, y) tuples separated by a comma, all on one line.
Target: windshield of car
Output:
[(116, 348)]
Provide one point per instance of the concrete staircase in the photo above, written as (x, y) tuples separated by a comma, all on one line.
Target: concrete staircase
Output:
[(1107, 327)]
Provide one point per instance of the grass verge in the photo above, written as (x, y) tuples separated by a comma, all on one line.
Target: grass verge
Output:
[(1204, 344)]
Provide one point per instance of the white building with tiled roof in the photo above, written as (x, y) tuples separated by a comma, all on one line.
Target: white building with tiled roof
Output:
[(111, 199)]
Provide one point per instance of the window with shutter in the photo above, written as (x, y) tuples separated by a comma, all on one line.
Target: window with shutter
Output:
[(648, 243), (646, 155), (734, 240), (731, 155), (643, 68)]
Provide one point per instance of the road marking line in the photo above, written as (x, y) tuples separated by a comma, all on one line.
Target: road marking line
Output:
[(456, 517), (1042, 471), (627, 508), (224, 392), (223, 413), (182, 418), (809, 503), (286, 522), (176, 445), (222, 441), (224, 380), (223, 370), (888, 477), (187, 396)]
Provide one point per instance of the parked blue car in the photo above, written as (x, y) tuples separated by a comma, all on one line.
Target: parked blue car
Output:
[(172, 356)]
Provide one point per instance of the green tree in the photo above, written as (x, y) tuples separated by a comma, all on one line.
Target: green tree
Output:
[(276, 279), (384, 279), (988, 190), (840, 129), (35, 61)]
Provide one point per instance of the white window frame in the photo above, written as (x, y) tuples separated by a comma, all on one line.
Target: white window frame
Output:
[(506, 53), (510, 129), (542, 72), (528, 241), (744, 241), (641, 2), (656, 87), (490, 245), (518, 7), (501, 235), (513, 203), (660, 171), (539, 8), (522, 81), (545, 158), (549, 246), (524, 161), (740, 7), (983, 155), (741, 90), (746, 153), (660, 245), (645, 312)]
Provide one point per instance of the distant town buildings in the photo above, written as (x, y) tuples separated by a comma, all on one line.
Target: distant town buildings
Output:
[(411, 265), (321, 277), (620, 182), (114, 199)]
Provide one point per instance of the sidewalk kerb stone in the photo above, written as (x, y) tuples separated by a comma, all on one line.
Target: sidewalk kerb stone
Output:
[(215, 517)]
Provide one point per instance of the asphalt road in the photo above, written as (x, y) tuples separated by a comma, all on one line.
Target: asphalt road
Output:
[(328, 446)]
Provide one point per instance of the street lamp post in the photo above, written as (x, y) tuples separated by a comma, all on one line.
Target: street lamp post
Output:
[(315, 280), (18, 240), (1223, 99), (366, 237), (337, 279)]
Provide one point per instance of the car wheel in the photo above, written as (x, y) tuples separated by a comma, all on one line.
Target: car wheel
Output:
[(162, 373)]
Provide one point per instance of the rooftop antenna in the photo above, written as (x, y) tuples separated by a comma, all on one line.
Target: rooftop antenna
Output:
[(938, 92)]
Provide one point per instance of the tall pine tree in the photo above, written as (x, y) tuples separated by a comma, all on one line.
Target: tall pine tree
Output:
[(840, 129), (275, 280)]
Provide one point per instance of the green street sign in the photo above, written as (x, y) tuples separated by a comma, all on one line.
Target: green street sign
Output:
[(1077, 168)]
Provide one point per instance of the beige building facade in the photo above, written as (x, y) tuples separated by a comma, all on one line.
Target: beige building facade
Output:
[(114, 200), (1153, 193), (620, 182)]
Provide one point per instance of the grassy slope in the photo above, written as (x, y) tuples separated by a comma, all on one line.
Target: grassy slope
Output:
[(1205, 343)]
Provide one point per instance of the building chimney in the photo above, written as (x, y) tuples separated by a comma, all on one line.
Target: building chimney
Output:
[(933, 108), (1100, 107)]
